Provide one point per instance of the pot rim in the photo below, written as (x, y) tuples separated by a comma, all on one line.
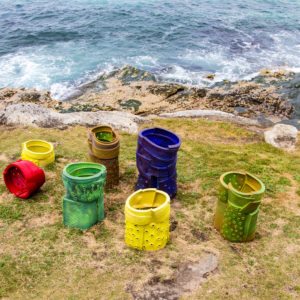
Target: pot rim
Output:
[(27, 144), (171, 147), (97, 129), (101, 170), (230, 187), (160, 207)]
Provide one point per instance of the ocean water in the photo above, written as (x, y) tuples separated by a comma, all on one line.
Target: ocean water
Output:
[(58, 45)]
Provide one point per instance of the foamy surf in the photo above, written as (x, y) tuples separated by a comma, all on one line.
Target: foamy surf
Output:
[(60, 46)]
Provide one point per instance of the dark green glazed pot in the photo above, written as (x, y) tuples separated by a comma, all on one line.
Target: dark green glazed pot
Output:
[(83, 204), (84, 181), (238, 204)]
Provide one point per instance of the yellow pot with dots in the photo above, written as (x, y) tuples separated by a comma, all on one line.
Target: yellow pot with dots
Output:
[(147, 218)]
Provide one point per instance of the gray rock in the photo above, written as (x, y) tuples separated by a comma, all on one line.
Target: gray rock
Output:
[(33, 114), (191, 275), (282, 136)]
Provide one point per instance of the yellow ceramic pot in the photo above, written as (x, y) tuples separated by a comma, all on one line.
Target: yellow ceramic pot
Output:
[(39, 152), (147, 217)]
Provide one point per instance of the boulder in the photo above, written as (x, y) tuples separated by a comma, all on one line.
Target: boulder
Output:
[(36, 115), (282, 136)]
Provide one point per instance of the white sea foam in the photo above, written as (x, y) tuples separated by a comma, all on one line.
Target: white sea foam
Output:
[(32, 69), (64, 66), (285, 54)]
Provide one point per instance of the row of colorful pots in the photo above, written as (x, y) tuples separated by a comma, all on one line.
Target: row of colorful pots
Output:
[(156, 157), (147, 210)]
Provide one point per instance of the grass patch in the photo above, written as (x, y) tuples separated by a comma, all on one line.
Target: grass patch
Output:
[(42, 259), (188, 198), (10, 213)]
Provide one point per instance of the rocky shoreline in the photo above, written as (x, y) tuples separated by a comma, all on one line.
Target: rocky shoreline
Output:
[(269, 98)]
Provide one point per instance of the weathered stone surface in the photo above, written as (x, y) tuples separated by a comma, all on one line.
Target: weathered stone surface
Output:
[(33, 114), (6, 93), (212, 114), (130, 104), (9, 96), (130, 74), (176, 92), (282, 136), (250, 99), (198, 92), (166, 90), (291, 88), (271, 96)]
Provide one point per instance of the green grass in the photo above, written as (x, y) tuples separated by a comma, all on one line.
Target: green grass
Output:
[(41, 259)]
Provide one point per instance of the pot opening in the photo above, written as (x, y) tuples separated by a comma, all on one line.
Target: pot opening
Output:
[(38, 148), (146, 200), (244, 183), (84, 172), (160, 140), (104, 136), (15, 180), (161, 137), (146, 208)]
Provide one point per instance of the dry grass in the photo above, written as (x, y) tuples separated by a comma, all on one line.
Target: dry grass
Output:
[(41, 259)]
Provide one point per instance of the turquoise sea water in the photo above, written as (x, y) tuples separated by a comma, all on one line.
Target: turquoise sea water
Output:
[(58, 45)]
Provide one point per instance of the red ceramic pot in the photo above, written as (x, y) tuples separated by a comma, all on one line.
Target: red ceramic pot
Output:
[(23, 178)]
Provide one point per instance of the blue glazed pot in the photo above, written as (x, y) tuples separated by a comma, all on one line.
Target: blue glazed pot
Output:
[(147, 167), (160, 143), (166, 184), (156, 159)]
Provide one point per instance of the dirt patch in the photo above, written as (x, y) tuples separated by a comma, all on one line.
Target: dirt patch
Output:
[(49, 219), (90, 240), (4, 158), (4, 197), (173, 225), (191, 275), (292, 249), (185, 279), (199, 235), (2, 224), (280, 224)]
